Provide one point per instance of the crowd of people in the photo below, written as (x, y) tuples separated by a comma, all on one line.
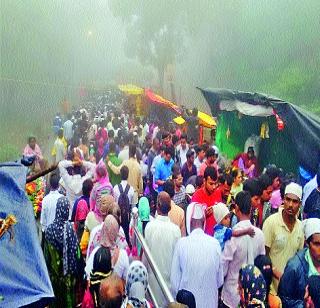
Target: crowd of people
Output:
[(222, 233)]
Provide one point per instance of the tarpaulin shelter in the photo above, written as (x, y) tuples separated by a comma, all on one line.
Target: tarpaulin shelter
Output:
[(24, 278), (204, 120), (159, 100), (295, 143)]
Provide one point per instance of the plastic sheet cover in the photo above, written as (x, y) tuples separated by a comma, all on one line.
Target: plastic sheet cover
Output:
[(302, 126), (24, 279)]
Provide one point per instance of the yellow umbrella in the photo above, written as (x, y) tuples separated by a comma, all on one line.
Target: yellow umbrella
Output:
[(204, 119), (131, 89)]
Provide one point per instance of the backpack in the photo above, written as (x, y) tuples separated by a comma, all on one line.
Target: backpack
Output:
[(124, 203)]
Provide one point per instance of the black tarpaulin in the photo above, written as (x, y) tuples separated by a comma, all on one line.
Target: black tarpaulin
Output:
[(302, 126)]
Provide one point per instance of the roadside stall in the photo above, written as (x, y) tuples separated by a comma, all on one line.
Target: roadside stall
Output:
[(287, 135)]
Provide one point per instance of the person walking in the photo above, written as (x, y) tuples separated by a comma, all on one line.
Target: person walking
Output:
[(198, 253)]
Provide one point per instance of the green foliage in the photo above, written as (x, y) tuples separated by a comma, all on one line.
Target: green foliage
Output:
[(9, 152)]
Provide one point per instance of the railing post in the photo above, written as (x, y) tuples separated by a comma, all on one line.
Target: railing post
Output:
[(135, 215), (154, 267)]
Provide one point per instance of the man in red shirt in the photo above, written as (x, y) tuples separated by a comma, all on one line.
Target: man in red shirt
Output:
[(208, 195)]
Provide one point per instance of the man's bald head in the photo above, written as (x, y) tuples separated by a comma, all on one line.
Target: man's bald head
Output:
[(111, 291), (164, 203)]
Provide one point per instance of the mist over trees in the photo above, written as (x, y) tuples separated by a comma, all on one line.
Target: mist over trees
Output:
[(51, 49)]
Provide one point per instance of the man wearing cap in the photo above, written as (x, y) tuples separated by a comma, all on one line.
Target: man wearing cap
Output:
[(196, 264), (189, 193), (304, 264), (283, 233)]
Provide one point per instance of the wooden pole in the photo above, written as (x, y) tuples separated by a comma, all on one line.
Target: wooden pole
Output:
[(41, 173)]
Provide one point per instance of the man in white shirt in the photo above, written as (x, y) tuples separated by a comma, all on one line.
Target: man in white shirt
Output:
[(49, 203), (196, 264), (182, 150), (201, 154), (161, 236), (124, 173), (124, 153), (240, 250), (127, 189), (68, 129), (72, 183)]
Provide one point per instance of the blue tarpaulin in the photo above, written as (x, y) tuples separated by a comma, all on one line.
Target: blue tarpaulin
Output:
[(24, 278)]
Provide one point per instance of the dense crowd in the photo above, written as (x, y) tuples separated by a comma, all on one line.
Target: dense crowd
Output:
[(222, 233)]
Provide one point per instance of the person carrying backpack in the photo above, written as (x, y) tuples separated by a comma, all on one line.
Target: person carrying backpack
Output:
[(124, 196)]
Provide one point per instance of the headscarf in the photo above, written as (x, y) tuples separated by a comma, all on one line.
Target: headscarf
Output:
[(253, 286), (136, 286), (101, 172), (109, 232), (102, 269), (61, 235), (102, 186), (104, 206), (121, 242), (143, 211), (187, 298)]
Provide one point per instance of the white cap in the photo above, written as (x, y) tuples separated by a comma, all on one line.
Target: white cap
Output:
[(194, 211), (295, 189), (311, 226), (134, 210), (216, 149), (190, 189), (220, 211)]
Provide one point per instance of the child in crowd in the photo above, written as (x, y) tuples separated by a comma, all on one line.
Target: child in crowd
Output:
[(312, 296), (222, 230), (264, 264)]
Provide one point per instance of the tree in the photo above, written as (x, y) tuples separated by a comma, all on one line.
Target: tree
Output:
[(154, 33)]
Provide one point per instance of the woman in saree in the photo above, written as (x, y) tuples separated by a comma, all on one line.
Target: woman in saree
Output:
[(95, 234), (102, 185), (248, 163), (63, 257), (136, 286), (108, 239), (94, 219)]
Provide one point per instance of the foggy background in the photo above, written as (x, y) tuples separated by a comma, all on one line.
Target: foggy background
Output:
[(51, 50)]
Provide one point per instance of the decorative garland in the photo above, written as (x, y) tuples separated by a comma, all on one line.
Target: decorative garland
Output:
[(35, 191)]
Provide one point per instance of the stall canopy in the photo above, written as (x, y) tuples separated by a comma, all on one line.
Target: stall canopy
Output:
[(23, 271), (131, 89), (300, 138), (204, 119), (157, 99)]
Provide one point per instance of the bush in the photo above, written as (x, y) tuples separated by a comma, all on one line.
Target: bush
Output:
[(9, 152)]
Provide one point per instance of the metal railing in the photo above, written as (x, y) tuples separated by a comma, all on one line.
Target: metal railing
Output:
[(152, 264)]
